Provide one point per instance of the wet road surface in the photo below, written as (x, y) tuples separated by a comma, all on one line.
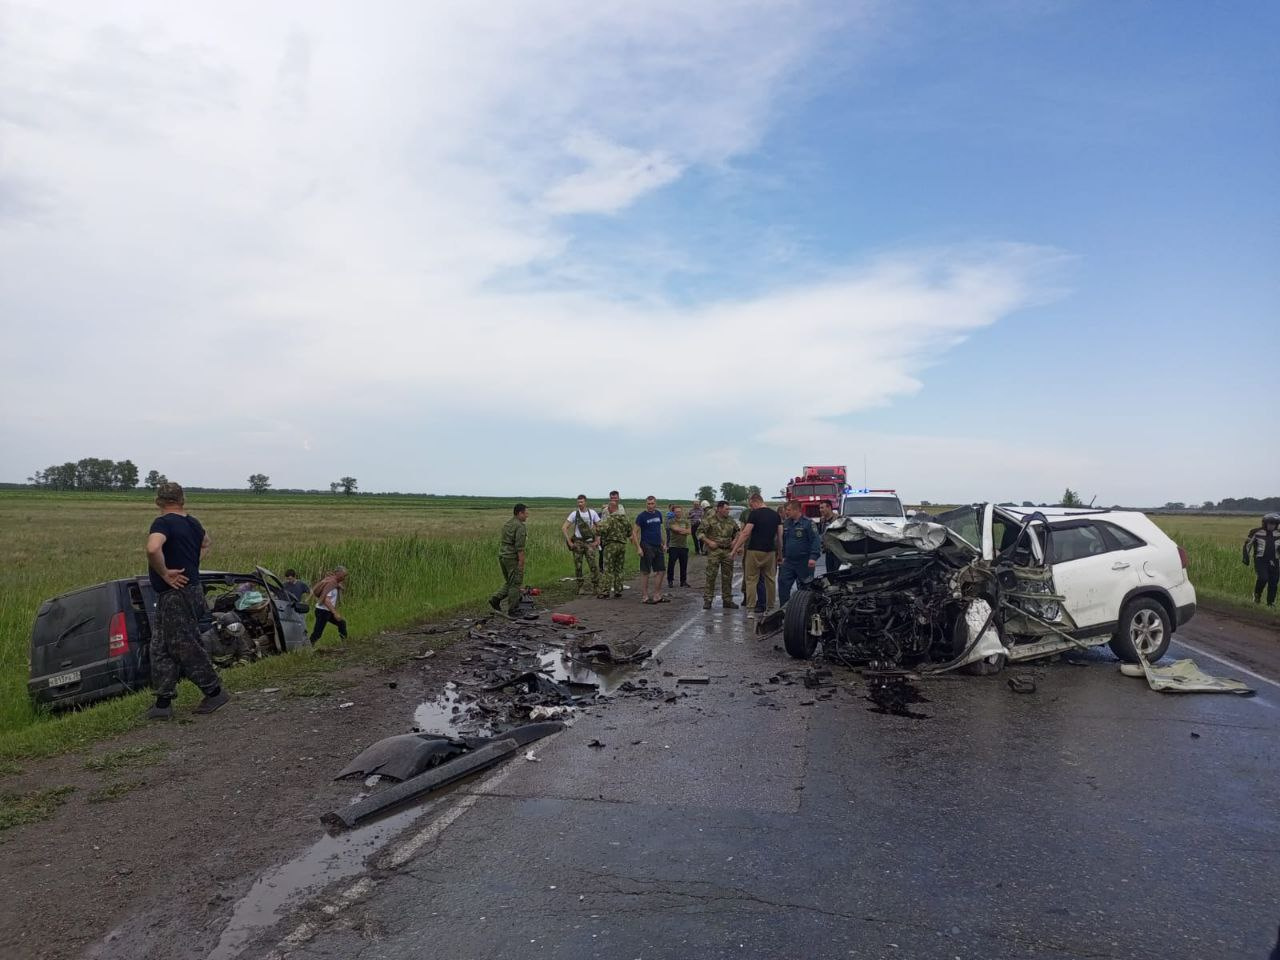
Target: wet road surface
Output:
[(749, 818)]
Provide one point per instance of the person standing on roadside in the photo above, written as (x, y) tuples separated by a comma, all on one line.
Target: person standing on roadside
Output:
[(799, 551), (677, 547), (615, 531), (328, 593), (717, 534), (511, 559), (176, 543), (583, 541), (826, 516), (295, 588), (695, 520), (1264, 543), (649, 537), (615, 502), (762, 537)]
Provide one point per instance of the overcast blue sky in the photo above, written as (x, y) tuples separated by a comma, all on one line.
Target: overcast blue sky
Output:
[(995, 248)]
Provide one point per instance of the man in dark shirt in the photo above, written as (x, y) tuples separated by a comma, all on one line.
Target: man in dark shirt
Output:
[(175, 545), (1264, 543), (649, 537), (762, 537), (799, 551), (295, 588)]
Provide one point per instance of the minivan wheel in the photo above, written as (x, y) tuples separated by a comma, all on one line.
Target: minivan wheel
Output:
[(1144, 626), (800, 643)]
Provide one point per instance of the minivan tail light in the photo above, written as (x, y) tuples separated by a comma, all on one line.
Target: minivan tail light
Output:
[(117, 636), (1182, 555)]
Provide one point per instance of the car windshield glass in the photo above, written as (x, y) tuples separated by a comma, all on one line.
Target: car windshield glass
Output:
[(965, 522), (814, 490), (872, 507)]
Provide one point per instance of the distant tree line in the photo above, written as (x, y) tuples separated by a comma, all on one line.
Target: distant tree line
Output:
[(89, 473), (733, 492)]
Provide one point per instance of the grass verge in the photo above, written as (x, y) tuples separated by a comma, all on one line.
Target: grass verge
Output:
[(32, 807)]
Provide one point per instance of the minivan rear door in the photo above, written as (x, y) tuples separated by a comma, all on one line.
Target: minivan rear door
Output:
[(71, 631)]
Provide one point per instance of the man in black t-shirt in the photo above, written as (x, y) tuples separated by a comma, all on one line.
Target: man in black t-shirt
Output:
[(175, 544), (762, 537)]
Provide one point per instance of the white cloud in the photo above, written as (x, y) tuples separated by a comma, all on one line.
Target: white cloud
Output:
[(613, 177), (251, 208)]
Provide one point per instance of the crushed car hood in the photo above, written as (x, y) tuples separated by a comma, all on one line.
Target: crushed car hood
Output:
[(851, 539)]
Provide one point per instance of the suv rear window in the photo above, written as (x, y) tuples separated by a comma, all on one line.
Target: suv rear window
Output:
[(1119, 537)]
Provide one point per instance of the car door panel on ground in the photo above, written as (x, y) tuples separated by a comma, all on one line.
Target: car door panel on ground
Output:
[(1093, 571)]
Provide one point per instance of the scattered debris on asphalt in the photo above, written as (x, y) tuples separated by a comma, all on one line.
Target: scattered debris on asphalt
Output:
[(893, 691), (694, 678), (1022, 684), (1183, 676)]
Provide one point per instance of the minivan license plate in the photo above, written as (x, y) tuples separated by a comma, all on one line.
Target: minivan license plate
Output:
[(62, 679)]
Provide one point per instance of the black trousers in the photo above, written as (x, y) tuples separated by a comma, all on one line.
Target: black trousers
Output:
[(680, 554), (693, 532), (1269, 577), (323, 619)]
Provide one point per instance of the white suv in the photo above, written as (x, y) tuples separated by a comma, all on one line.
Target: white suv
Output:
[(1120, 576), (981, 585)]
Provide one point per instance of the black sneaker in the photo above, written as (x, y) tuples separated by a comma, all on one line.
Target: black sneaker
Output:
[(730, 605), (160, 713), (496, 605), (210, 704), (706, 604)]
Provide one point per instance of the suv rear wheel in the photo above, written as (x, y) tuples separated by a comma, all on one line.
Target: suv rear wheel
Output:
[(1144, 626), (800, 643)]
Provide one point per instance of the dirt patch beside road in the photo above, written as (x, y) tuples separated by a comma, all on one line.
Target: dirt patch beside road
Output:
[(167, 827)]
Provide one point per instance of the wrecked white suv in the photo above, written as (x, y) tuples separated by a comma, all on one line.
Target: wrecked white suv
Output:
[(982, 585)]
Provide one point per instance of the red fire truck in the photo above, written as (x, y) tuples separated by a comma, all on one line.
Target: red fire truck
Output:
[(816, 485)]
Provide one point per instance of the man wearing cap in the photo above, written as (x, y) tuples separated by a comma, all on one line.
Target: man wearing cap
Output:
[(176, 543)]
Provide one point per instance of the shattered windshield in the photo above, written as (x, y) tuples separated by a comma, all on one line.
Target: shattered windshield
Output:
[(965, 522), (872, 507)]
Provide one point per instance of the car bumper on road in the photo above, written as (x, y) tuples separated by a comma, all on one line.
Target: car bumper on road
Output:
[(1186, 612)]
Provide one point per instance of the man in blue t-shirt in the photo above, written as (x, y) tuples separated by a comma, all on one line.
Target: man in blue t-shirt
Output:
[(175, 545), (650, 537)]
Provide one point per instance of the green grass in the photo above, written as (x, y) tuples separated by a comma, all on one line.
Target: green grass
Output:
[(115, 760), (113, 791), (19, 808), (410, 559), (1213, 559)]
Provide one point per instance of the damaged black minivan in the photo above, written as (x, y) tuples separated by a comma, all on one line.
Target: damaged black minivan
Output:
[(93, 643)]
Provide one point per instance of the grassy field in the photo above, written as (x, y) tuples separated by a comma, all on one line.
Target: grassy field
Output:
[(410, 559), (1213, 549)]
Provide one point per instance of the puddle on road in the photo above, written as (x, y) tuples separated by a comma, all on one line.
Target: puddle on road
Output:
[(455, 713), (559, 667), (329, 859), (892, 693)]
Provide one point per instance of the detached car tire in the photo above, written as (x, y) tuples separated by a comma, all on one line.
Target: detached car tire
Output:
[(795, 628), (1145, 625)]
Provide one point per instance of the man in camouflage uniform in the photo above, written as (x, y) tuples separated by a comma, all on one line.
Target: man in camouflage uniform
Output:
[(580, 536), (615, 531), (716, 534), (511, 559)]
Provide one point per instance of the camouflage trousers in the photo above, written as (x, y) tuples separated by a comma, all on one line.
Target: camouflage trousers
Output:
[(584, 552), (176, 648), (513, 580), (615, 558), (719, 561)]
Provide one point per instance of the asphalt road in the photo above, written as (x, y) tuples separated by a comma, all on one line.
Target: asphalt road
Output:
[(1091, 818)]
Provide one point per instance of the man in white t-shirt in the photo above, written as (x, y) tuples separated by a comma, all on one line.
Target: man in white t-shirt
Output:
[(583, 540)]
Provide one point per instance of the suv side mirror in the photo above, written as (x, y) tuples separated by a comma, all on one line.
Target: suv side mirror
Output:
[(911, 513), (302, 607)]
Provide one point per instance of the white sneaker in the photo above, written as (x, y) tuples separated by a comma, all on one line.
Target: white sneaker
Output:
[(751, 615)]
